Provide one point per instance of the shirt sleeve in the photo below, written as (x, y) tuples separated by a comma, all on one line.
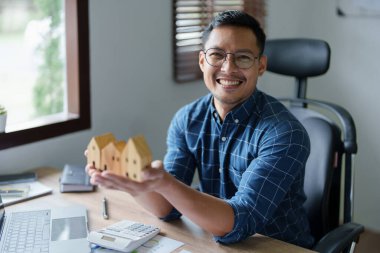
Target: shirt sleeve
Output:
[(178, 160), (282, 154)]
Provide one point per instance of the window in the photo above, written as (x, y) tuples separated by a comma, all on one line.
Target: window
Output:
[(190, 17), (59, 87)]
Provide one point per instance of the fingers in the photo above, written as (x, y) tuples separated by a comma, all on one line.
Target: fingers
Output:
[(104, 181), (157, 164), (152, 178), (155, 172), (114, 181), (90, 169), (151, 174), (94, 175)]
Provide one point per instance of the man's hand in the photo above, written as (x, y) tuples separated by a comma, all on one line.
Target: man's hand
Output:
[(144, 192), (153, 178), (159, 192)]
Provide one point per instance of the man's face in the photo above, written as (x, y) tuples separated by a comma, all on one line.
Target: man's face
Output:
[(229, 84)]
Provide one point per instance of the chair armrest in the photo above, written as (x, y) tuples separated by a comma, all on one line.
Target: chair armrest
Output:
[(340, 238)]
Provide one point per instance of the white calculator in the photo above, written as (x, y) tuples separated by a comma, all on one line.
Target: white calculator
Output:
[(123, 236)]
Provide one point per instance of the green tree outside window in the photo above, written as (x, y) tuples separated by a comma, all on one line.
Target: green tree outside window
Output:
[(48, 91)]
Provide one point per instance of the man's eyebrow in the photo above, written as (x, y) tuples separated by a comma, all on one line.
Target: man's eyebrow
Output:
[(244, 50)]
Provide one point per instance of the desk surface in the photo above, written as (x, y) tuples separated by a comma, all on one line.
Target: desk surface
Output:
[(122, 206)]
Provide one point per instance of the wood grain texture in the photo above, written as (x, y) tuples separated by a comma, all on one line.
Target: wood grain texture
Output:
[(122, 206)]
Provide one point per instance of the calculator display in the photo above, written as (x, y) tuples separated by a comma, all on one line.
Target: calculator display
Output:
[(108, 238)]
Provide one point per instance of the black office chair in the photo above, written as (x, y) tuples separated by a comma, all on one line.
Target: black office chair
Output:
[(330, 143)]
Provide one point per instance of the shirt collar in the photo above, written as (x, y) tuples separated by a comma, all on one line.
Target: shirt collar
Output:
[(241, 112), (214, 112)]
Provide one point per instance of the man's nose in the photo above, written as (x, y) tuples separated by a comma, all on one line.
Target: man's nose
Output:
[(229, 63)]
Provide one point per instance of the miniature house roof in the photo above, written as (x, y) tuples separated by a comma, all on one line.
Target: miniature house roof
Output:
[(141, 146), (117, 146), (120, 145), (102, 140)]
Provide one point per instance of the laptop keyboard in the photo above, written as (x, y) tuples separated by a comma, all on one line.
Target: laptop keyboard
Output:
[(28, 232)]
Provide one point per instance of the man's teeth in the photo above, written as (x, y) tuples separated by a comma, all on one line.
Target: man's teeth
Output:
[(228, 82)]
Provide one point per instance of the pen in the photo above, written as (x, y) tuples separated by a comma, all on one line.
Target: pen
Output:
[(105, 211), (12, 192)]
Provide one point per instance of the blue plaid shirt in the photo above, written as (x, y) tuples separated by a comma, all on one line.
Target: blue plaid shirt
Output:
[(254, 160)]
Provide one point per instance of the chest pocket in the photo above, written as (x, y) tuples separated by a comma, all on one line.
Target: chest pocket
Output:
[(235, 175), (238, 165)]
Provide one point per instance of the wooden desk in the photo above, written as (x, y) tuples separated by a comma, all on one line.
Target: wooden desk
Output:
[(122, 206)]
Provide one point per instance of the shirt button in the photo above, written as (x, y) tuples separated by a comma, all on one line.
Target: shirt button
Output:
[(224, 138), (220, 170), (236, 121)]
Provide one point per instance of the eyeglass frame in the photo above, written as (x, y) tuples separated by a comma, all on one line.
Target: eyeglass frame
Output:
[(225, 57)]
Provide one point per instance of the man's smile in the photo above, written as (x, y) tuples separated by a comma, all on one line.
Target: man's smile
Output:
[(226, 82)]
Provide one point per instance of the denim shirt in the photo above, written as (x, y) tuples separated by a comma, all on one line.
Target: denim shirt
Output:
[(254, 160)]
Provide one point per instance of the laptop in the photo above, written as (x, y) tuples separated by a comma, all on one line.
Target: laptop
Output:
[(54, 230)]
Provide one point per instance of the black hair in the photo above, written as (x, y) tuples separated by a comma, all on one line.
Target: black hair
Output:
[(237, 18)]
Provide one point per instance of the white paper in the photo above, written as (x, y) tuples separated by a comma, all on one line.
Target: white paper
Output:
[(158, 244), (359, 7)]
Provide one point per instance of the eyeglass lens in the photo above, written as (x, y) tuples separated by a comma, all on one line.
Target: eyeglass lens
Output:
[(216, 57)]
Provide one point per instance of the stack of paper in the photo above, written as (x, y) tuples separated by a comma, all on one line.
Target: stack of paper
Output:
[(158, 244)]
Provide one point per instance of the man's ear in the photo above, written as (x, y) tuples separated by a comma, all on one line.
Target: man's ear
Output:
[(262, 64), (202, 60)]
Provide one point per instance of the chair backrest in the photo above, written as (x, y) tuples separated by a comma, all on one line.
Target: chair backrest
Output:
[(303, 58), (299, 58), (324, 136)]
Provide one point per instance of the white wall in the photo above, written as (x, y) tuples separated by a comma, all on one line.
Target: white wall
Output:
[(132, 89), (352, 81), (131, 93)]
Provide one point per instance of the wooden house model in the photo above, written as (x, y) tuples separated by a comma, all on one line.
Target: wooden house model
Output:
[(111, 154), (94, 148), (124, 161), (138, 157), (104, 152)]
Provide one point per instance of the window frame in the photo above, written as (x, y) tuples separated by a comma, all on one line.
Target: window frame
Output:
[(185, 62), (78, 84)]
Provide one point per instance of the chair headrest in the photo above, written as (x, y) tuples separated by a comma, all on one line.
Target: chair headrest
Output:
[(297, 57)]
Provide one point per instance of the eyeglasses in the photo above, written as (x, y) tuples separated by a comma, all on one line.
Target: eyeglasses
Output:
[(216, 57)]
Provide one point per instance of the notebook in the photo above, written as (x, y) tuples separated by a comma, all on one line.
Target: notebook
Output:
[(55, 230), (75, 179), (31, 190)]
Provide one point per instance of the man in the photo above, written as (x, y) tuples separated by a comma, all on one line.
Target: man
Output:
[(249, 151)]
